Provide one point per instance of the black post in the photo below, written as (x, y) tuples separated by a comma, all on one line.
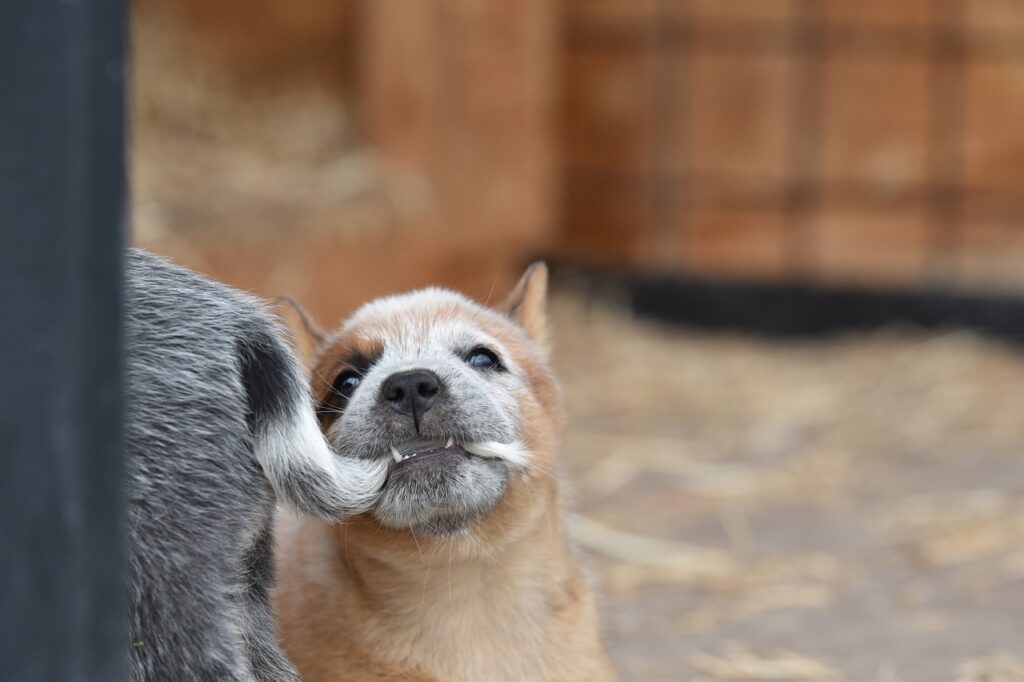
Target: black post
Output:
[(62, 201)]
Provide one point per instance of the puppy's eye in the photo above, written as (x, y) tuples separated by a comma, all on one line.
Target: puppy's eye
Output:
[(483, 358), (346, 382)]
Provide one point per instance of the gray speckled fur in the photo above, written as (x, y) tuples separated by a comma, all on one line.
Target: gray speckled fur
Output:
[(208, 380)]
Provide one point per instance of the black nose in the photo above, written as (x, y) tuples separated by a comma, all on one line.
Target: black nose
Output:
[(411, 393)]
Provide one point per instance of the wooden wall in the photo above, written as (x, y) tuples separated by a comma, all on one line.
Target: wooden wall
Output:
[(336, 151), (875, 142)]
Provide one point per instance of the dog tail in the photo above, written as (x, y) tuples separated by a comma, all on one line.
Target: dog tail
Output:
[(301, 467)]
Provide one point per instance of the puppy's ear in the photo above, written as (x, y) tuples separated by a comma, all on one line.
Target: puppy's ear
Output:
[(527, 304), (313, 334)]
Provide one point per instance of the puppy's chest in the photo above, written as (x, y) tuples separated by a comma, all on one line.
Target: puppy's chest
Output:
[(486, 639)]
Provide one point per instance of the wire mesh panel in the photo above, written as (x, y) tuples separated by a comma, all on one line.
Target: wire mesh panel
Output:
[(873, 142)]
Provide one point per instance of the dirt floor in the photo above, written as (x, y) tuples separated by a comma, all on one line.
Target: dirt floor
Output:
[(764, 510)]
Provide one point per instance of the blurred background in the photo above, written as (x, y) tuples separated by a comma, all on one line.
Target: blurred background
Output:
[(793, 506)]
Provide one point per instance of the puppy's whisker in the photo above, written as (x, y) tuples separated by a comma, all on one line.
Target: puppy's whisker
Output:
[(451, 548), (418, 548)]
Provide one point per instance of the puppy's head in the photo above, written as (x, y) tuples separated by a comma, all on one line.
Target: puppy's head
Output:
[(457, 397)]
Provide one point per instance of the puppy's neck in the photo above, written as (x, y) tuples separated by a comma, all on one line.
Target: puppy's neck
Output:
[(523, 546), (477, 606)]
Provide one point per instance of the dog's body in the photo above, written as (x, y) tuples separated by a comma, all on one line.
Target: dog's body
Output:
[(462, 570), (219, 426)]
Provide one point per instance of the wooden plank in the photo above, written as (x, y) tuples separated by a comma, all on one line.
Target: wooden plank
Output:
[(461, 92)]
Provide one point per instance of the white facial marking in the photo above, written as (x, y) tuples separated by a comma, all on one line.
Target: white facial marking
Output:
[(477, 411), (425, 331)]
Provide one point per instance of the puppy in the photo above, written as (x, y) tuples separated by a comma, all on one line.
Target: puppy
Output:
[(219, 425), (462, 569)]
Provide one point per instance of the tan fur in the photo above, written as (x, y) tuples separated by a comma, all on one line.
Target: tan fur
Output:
[(506, 600), (527, 301)]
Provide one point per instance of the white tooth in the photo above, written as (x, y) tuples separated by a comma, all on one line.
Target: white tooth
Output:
[(395, 454), (449, 443)]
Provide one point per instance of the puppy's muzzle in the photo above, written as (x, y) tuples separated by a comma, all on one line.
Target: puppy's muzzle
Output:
[(412, 393)]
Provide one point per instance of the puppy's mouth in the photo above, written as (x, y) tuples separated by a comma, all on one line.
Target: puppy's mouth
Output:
[(440, 485), (427, 452)]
